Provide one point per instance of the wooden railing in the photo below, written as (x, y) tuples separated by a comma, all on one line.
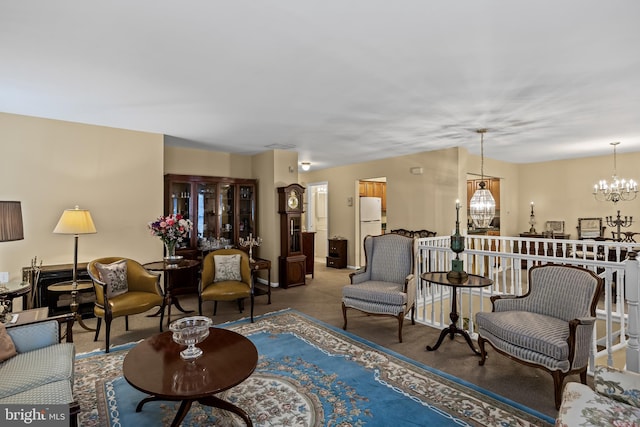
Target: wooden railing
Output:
[(506, 260)]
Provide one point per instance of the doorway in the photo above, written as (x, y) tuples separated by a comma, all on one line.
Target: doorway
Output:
[(371, 212), (317, 217)]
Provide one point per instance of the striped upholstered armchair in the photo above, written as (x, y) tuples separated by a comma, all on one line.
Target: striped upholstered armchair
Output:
[(550, 327), (386, 286)]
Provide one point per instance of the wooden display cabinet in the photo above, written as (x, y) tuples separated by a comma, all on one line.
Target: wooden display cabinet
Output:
[(292, 261), (217, 206)]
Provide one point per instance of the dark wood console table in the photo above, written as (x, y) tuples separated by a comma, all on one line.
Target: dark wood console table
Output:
[(473, 281)]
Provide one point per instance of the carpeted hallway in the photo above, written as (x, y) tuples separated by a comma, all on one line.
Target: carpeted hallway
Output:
[(320, 298)]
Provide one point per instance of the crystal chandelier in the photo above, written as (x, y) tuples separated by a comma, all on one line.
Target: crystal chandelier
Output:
[(482, 205), (616, 190)]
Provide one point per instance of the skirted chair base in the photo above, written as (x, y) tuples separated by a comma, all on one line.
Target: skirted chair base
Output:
[(400, 316)]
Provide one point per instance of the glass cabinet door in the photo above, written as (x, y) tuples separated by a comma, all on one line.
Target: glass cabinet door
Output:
[(295, 243), (246, 215), (206, 224), (180, 203), (226, 209)]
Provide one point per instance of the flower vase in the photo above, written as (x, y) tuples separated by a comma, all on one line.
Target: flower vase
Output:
[(171, 257)]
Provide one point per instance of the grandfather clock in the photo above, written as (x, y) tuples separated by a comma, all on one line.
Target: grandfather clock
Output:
[(292, 262)]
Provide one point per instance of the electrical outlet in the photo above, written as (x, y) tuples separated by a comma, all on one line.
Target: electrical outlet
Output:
[(4, 276)]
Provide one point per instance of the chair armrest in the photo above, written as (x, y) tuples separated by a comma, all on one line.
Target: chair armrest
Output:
[(143, 280), (359, 276), (505, 303), (580, 335), (410, 289), (623, 386)]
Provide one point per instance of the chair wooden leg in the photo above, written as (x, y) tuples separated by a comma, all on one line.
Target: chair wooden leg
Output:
[(251, 308), (400, 323), (558, 380), (107, 331), (161, 317), (583, 376), (215, 307), (126, 323), (413, 315), (241, 304), (344, 314), (99, 323), (483, 353)]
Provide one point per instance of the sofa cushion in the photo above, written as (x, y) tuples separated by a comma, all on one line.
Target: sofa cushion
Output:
[(54, 393), (376, 292), (582, 406), (114, 275), (623, 386), (7, 348), (543, 334), (32, 369)]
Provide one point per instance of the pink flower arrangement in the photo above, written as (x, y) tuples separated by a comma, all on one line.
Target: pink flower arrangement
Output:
[(171, 229)]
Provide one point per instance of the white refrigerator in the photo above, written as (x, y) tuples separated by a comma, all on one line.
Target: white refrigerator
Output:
[(370, 221)]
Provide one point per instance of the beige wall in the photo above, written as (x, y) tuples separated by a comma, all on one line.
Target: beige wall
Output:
[(188, 161), (413, 201), (562, 190), (52, 165)]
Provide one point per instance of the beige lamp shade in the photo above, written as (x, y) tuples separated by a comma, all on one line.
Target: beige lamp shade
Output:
[(11, 222), (75, 221)]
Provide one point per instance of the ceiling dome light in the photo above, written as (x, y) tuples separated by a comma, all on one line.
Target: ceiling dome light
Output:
[(482, 205), (305, 166)]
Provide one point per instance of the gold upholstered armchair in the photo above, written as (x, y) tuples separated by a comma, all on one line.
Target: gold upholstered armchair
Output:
[(123, 287), (226, 276)]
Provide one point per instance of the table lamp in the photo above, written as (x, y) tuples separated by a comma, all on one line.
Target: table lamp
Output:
[(75, 221), (457, 273)]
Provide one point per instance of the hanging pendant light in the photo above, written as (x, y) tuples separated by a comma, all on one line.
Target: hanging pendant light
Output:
[(616, 190), (482, 205)]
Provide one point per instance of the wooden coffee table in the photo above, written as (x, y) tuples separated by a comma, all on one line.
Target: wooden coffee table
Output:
[(155, 367)]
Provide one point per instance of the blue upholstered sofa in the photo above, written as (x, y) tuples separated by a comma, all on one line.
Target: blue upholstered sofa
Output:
[(41, 373)]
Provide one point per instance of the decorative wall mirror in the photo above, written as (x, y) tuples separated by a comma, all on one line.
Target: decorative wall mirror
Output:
[(554, 227), (590, 228)]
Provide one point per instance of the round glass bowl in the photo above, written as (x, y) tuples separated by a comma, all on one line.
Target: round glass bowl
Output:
[(190, 331)]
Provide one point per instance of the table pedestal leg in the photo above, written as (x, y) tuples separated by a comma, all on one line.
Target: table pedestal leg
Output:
[(453, 329), (212, 401), (222, 404), (74, 306)]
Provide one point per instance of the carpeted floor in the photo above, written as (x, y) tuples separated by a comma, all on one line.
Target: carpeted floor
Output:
[(331, 378), (321, 297)]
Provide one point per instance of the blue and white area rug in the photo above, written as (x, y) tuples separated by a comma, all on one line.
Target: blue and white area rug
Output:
[(308, 374)]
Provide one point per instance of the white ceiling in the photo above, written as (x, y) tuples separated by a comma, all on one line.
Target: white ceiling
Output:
[(338, 81)]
